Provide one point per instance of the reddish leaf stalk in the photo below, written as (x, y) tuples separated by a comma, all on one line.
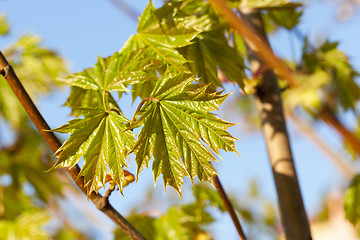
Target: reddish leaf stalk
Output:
[(101, 203), (229, 207), (141, 104), (104, 100)]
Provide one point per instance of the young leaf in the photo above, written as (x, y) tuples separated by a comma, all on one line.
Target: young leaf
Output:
[(211, 51), (287, 18), (112, 73), (100, 138), (175, 120), (160, 38), (87, 98), (342, 89)]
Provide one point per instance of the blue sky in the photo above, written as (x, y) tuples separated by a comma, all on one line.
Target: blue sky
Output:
[(81, 30)]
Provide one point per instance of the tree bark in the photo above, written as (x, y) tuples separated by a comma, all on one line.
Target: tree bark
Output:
[(269, 105)]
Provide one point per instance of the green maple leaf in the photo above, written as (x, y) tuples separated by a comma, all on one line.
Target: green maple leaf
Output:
[(210, 52), (175, 121), (100, 138), (113, 73), (160, 38), (80, 98)]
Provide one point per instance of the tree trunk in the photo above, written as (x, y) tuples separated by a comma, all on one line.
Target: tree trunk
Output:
[(269, 105)]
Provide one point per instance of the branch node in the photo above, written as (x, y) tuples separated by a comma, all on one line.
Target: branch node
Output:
[(5, 71)]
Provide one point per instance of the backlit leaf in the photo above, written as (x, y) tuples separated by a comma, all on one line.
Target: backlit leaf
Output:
[(160, 38), (175, 121), (210, 52), (113, 73), (82, 98), (102, 142), (341, 89)]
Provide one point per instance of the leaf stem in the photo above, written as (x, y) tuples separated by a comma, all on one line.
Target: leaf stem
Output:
[(104, 100), (8, 73), (141, 104)]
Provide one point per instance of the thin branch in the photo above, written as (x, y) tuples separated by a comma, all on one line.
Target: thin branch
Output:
[(7, 71), (229, 207), (329, 117), (309, 132)]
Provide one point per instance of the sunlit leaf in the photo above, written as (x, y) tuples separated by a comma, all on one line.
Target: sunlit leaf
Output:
[(102, 142), (82, 98), (341, 89), (308, 92), (287, 18), (110, 74), (176, 119), (160, 38), (210, 52)]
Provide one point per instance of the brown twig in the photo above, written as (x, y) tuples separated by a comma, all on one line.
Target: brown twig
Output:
[(104, 206), (141, 104), (229, 206)]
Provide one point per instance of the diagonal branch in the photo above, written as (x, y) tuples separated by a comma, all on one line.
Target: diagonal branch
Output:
[(303, 128), (101, 203), (229, 207), (329, 117)]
